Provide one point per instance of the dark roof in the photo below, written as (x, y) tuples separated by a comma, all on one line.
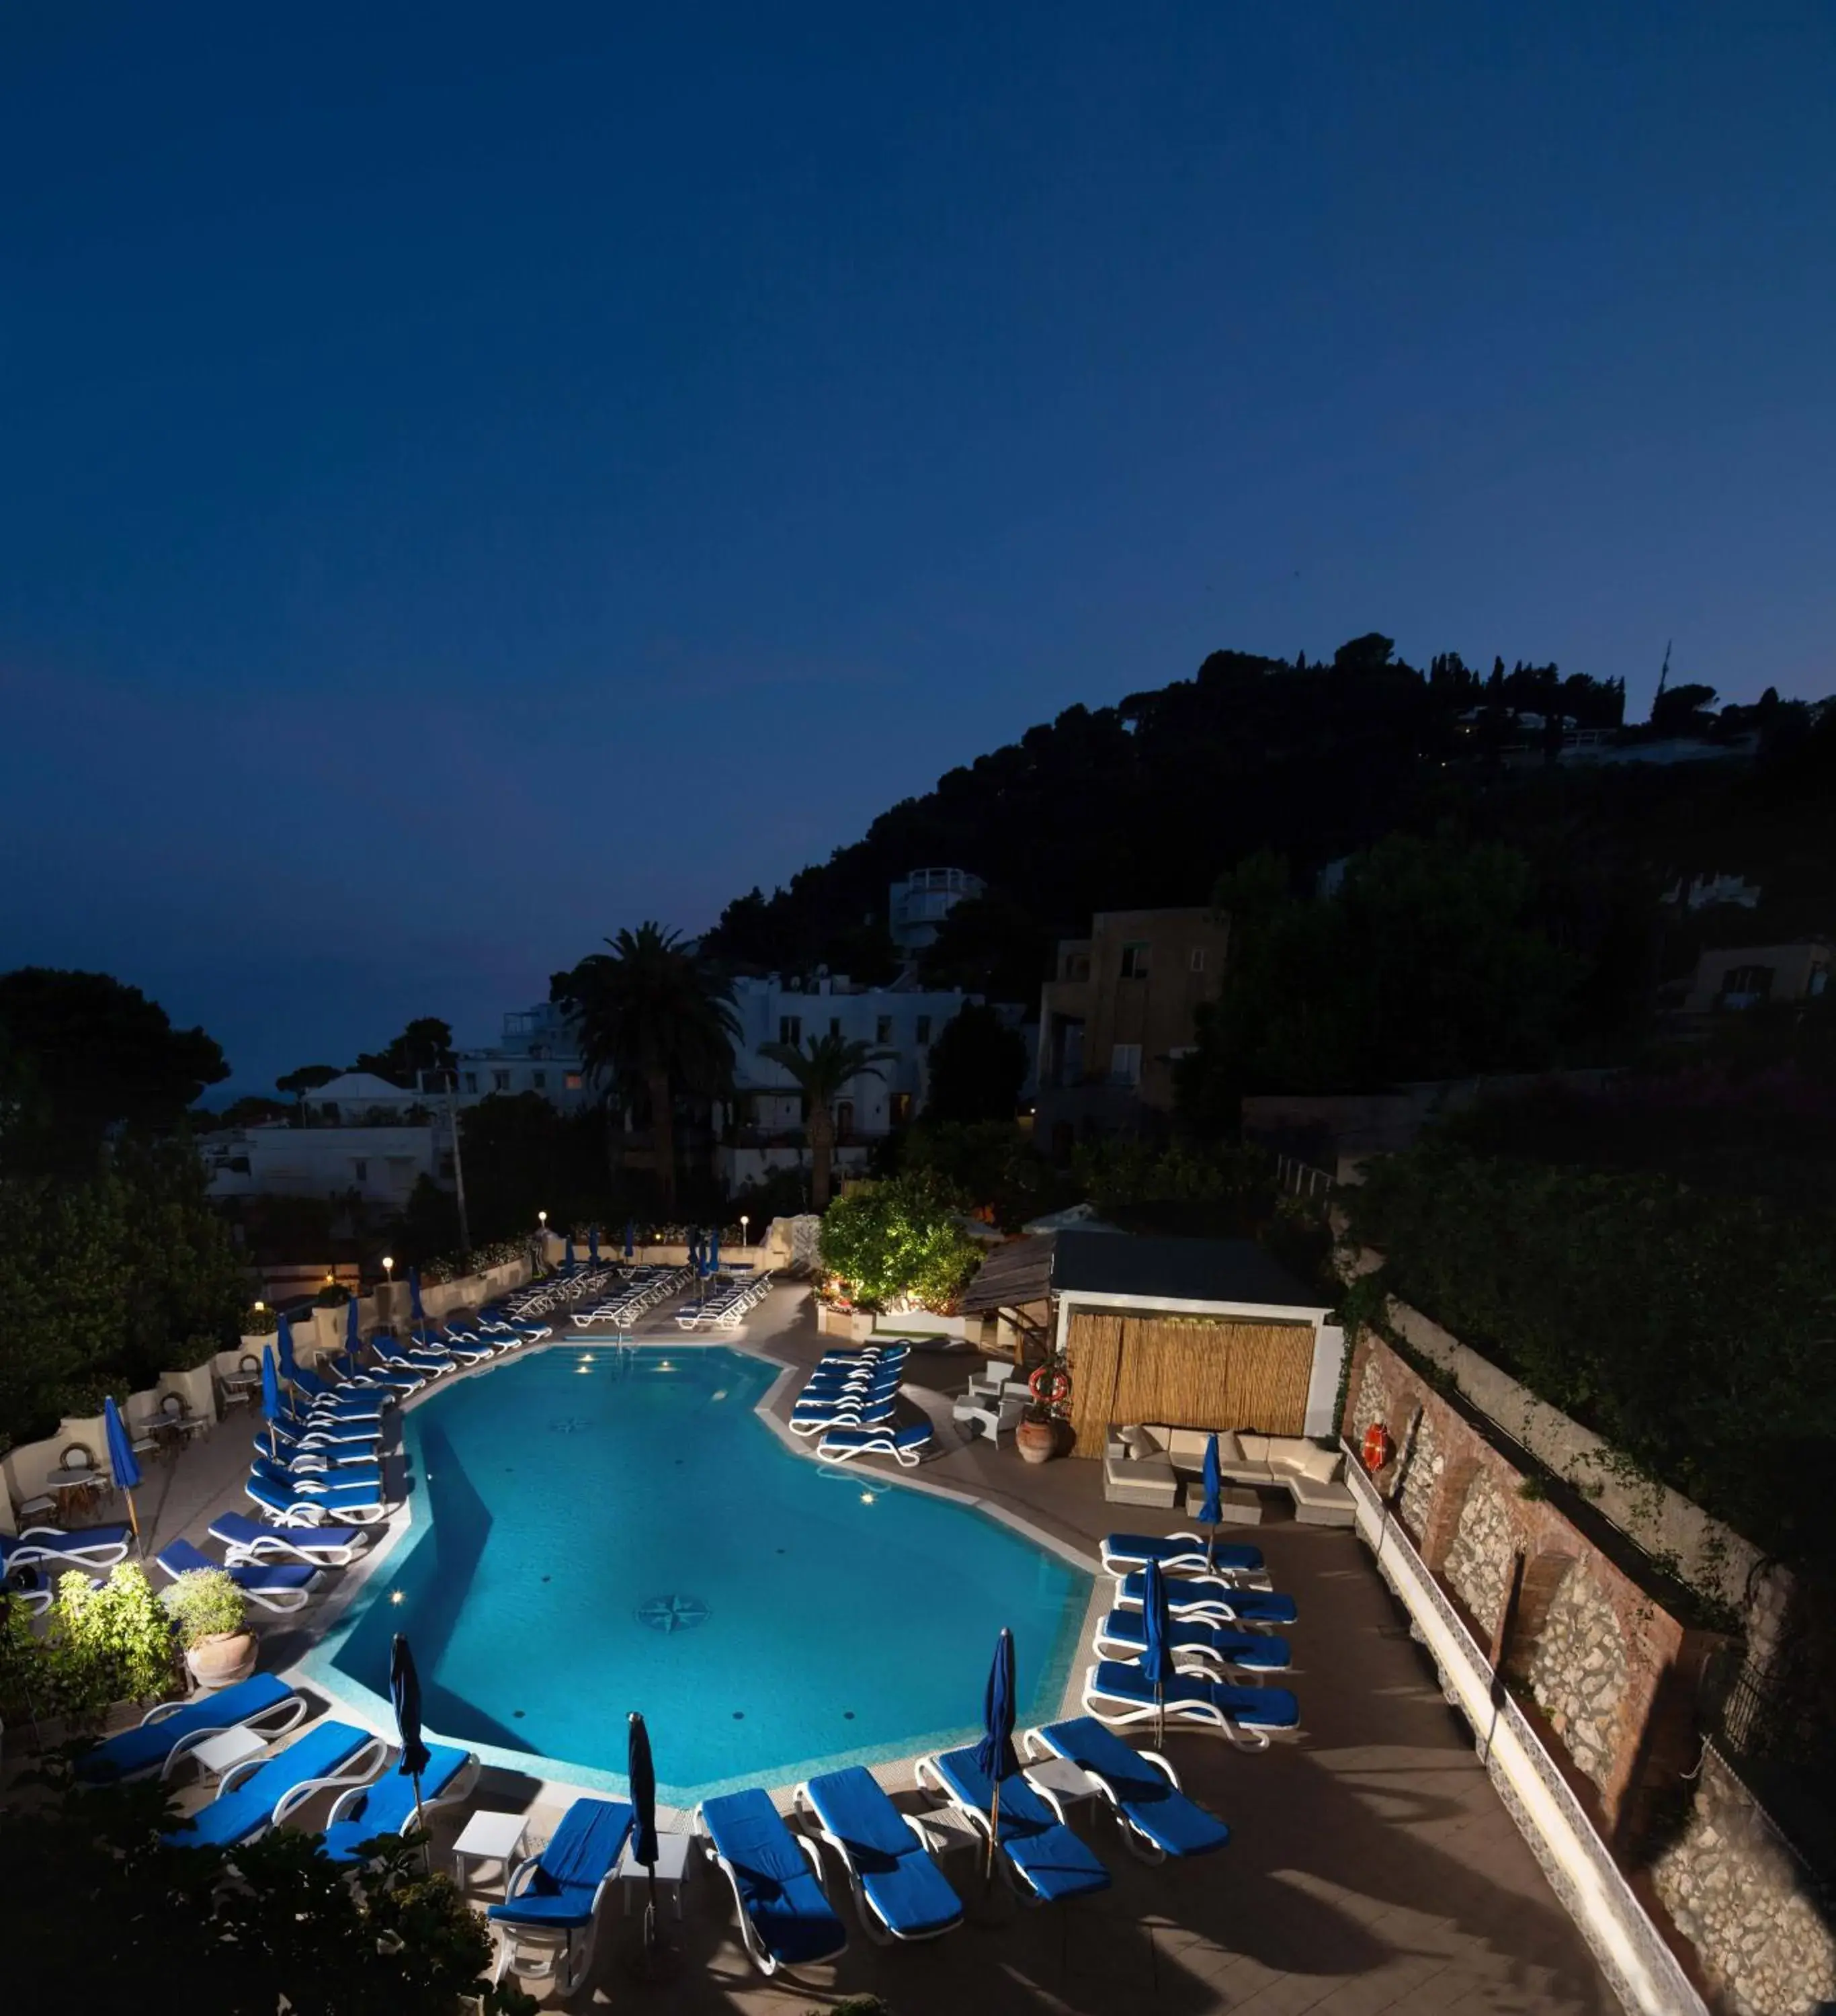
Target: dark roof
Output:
[(1180, 1270), (1018, 1272)]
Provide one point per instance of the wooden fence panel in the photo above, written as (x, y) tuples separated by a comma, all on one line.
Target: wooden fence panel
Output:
[(1093, 1350), (1186, 1373)]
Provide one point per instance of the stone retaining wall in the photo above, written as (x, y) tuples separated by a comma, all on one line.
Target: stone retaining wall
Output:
[(1741, 1900)]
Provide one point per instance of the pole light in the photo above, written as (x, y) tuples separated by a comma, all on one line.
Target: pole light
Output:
[(745, 1221), (388, 1268)]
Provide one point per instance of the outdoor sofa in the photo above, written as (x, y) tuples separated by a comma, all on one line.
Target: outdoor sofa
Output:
[(1158, 1467)]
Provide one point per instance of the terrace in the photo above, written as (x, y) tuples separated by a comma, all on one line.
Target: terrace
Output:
[(1371, 1865)]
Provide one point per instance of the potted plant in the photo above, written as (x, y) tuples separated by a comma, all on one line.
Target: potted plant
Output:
[(209, 1610), (1035, 1433)]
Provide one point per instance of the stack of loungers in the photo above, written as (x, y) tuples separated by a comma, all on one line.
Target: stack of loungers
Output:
[(850, 1400), (727, 1308), (646, 1287)]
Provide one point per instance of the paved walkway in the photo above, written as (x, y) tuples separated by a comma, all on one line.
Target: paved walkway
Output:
[(1373, 1868)]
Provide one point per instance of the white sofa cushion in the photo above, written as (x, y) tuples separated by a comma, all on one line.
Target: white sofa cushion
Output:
[(1318, 1466), (1186, 1446)]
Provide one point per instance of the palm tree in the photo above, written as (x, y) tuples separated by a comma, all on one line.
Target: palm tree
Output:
[(821, 1071), (649, 1015)]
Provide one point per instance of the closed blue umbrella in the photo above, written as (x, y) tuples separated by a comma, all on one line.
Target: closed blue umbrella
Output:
[(1156, 1631), (642, 1774), (1212, 1509), (995, 1754), (283, 1342), (593, 1243), (353, 1335), (120, 1459), (567, 1255), (270, 1395), (713, 1252), (405, 1694), (631, 1240), (414, 1295)]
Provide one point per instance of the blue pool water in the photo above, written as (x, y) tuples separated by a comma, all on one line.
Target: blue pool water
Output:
[(595, 1530)]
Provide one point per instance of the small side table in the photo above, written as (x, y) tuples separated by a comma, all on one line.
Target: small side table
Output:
[(218, 1754), (490, 1838), (947, 1832), (1237, 1505), (1067, 1782), (672, 1869)]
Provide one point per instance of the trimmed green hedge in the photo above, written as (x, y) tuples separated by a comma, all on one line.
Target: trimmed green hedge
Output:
[(1696, 1331)]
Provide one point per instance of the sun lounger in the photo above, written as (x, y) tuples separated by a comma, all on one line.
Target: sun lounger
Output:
[(244, 1540), (387, 1805), (1213, 1596), (1122, 1635), (1179, 1554), (1049, 1860), (786, 1919), (254, 1797), (900, 1894), (546, 1922), (1121, 1695), (288, 1507), (365, 1403), (1143, 1789), (168, 1734), (277, 1585), (359, 1479), (818, 1420), (92, 1547), (906, 1446), (332, 1431)]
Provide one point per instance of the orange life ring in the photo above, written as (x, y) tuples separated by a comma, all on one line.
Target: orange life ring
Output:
[(1377, 1448), (1050, 1385)]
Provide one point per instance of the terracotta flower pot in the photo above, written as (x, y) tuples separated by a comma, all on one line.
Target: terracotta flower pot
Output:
[(1036, 1440), (222, 1659)]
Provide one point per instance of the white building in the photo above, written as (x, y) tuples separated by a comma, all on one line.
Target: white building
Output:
[(536, 1053), (767, 1132), (915, 907), (363, 1135)]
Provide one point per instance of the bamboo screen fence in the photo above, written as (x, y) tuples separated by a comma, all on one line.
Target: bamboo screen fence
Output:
[(1186, 1372)]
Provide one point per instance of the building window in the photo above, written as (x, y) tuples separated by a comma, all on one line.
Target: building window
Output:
[(572, 1081), (901, 1108), (1077, 966), (924, 1028), (1124, 1064), (1134, 960), (835, 1025), (362, 1169), (539, 1081), (1198, 959), (446, 1167), (791, 1030), (845, 1117), (471, 1081), (1746, 985), (883, 1029), (500, 1080)]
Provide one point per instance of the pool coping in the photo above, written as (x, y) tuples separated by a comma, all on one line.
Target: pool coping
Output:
[(560, 1777)]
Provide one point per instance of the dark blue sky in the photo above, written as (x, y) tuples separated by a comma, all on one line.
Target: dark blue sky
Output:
[(477, 477)]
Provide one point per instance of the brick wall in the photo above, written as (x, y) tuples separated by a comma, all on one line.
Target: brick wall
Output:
[(1611, 1673)]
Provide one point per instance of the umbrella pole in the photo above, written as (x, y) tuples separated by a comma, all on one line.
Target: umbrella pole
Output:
[(994, 1831), (1211, 1548), (134, 1520), (420, 1822), (651, 1910)]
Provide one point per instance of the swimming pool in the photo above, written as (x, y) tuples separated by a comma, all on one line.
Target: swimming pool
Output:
[(596, 1529)]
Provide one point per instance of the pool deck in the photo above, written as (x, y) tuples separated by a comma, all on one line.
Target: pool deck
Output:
[(1372, 1866)]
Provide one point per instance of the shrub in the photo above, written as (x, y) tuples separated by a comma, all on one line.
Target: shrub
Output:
[(204, 1603), (105, 1645), (334, 1295), (898, 1239), (260, 1321), (186, 1354)]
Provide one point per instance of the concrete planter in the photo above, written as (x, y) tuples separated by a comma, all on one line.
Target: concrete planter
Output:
[(855, 1325), (196, 1388), (328, 1331)]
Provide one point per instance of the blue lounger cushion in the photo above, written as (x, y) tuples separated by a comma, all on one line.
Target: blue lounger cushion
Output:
[(896, 1875), (566, 1881), (88, 1545), (1050, 1858), (147, 1747), (881, 1438), (1256, 1708), (234, 1815), (1260, 1651), (271, 1578), (1148, 1547), (236, 1529), (1153, 1804), (784, 1903), (387, 1806), (1247, 1606)]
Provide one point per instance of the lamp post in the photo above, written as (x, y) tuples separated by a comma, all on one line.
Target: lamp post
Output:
[(388, 1269), (745, 1221)]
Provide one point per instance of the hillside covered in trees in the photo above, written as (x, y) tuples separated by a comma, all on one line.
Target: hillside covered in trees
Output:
[(1154, 800)]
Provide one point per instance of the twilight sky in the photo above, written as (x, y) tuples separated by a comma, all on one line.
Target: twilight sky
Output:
[(475, 478)]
